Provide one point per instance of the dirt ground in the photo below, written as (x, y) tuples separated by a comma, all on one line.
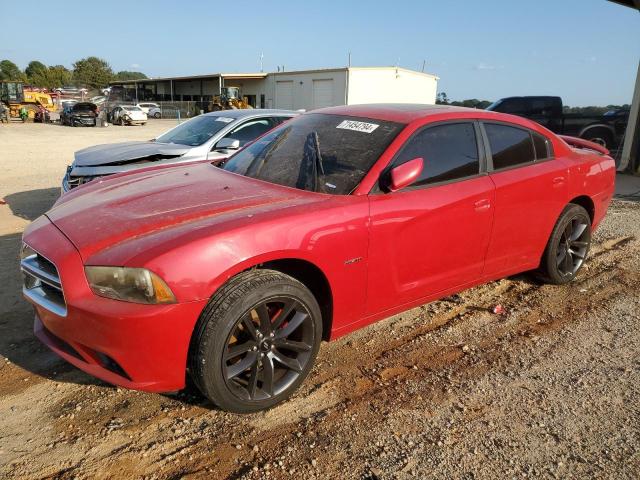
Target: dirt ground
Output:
[(549, 389)]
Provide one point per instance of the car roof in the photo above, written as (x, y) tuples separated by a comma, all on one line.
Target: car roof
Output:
[(394, 112), (242, 113)]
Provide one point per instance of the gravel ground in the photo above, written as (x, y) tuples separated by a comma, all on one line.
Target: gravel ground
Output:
[(548, 389)]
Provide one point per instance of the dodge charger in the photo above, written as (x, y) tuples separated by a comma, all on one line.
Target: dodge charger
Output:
[(340, 217)]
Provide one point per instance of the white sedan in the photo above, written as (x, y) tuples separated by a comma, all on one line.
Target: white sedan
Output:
[(128, 115)]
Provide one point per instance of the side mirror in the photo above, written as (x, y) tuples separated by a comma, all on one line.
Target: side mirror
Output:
[(228, 144), (405, 174)]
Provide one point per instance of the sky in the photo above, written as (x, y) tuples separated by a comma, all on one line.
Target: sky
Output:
[(586, 51)]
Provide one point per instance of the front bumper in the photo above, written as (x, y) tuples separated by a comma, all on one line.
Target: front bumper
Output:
[(143, 347), (83, 121)]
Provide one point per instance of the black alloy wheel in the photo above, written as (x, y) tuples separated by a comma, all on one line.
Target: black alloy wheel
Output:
[(568, 246), (255, 341), (268, 349), (572, 246)]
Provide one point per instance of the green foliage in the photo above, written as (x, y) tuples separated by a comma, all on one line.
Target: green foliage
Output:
[(126, 75), (35, 69), (92, 72), (472, 103), (39, 75), (442, 99), (10, 71)]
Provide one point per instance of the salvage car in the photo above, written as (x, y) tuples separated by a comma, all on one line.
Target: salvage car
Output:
[(167, 111), (146, 106), (79, 114), (127, 115), (213, 136), (331, 221)]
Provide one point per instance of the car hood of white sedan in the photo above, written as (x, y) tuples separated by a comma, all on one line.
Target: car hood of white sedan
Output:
[(127, 152)]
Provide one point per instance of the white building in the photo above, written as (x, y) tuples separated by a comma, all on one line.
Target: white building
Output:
[(311, 89), (304, 89)]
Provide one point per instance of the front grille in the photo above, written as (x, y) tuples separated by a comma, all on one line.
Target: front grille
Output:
[(74, 182), (41, 282)]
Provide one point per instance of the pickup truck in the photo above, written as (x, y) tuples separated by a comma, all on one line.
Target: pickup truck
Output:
[(607, 129)]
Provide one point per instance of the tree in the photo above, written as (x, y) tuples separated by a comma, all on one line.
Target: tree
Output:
[(35, 69), (126, 75), (10, 71), (442, 99), (58, 76), (92, 72)]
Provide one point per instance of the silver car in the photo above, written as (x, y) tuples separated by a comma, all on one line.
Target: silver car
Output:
[(213, 136)]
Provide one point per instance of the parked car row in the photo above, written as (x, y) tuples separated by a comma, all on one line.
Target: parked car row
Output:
[(232, 269)]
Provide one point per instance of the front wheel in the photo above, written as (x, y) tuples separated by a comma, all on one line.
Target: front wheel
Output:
[(567, 247), (256, 341)]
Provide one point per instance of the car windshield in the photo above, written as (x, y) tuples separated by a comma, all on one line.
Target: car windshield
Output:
[(317, 152), (195, 131)]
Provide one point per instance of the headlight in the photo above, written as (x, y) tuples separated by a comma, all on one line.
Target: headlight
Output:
[(137, 285), (26, 251)]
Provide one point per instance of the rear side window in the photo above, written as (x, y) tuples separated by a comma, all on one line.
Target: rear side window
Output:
[(449, 152), (510, 146), (542, 147)]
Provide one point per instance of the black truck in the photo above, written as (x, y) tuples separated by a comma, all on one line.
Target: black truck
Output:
[(607, 129)]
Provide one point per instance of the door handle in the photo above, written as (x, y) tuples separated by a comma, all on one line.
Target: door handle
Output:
[(558, 181), (482, 205)]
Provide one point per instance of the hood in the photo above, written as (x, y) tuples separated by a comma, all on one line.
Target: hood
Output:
[(121, 153), (106, 212)]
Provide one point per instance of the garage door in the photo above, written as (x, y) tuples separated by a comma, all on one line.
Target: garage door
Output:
[(323, 93), (284, 94)]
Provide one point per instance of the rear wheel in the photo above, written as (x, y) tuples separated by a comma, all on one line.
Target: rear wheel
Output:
[(599, 135), (156, 115), (568, 246), (256, 341)]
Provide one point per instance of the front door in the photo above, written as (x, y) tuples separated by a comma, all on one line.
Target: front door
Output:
[(433, 235)]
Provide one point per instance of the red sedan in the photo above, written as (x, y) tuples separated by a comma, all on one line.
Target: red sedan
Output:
[(333, 220)]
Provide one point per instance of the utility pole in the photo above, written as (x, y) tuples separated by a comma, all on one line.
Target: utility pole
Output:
[(424, 64), (261, 62)]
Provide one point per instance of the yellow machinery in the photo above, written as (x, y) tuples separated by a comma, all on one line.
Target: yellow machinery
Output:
[(14, 96), (230, 99)]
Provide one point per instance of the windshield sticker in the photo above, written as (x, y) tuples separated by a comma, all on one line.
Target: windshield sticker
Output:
[(224, 119), (358, 126)]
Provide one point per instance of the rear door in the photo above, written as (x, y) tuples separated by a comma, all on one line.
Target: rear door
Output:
[(531, 191), (432, 235)]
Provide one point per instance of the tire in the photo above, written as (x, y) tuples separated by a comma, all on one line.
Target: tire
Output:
[(568, 246), (156, 115), (599, 135), (228, 337), (121, 121)]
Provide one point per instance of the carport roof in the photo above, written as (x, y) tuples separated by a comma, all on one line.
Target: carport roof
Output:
[(193, 77), (628, 3)]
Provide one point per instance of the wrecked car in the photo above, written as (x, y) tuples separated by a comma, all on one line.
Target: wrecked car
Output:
[(79, 114), (127, 115), (333, 220), (212, 136)]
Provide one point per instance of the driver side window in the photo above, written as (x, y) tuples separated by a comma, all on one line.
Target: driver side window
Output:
[(249, 131), (449, 152)]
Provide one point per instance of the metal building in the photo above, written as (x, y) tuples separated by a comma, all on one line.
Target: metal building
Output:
[(304, 89)]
